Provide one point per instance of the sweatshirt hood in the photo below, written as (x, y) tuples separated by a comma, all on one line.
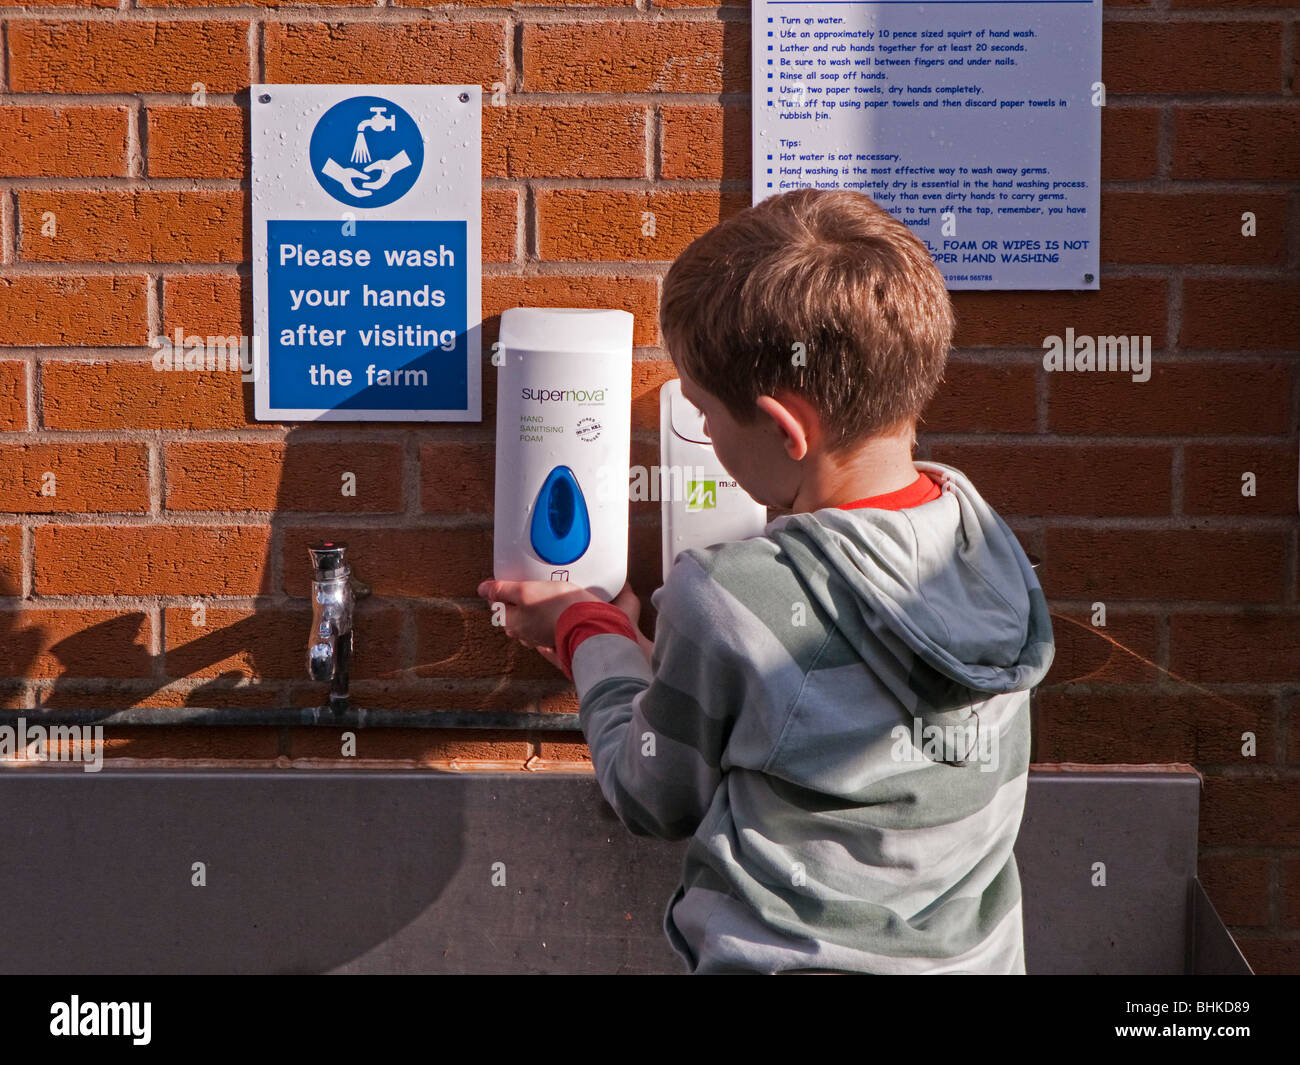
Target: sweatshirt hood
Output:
[(943, 586)]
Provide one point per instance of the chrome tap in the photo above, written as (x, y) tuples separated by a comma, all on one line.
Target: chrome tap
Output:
[(329, 648)]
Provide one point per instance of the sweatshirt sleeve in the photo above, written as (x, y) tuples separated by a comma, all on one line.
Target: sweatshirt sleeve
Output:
[(658, 731)]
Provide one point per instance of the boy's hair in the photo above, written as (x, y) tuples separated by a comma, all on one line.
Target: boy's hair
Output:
[(830, 270)]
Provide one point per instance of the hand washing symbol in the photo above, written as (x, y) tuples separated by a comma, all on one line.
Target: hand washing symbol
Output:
[(345, 176), (377, 122), (362, 177)]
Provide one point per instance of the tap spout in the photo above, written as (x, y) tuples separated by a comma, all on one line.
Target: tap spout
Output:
[(329, 646)]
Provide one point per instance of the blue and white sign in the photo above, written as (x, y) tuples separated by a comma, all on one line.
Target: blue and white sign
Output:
[(977, 123), (366, 151), (367, 252)]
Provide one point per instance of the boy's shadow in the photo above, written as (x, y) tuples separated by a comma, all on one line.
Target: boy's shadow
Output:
[(416, 562)]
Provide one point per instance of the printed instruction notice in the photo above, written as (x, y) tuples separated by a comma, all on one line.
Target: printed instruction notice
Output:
[(374, 321), (978, 125), (367, 252)]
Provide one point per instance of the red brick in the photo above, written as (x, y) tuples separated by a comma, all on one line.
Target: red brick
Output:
[(644, 495), (648, 377), (1292, 719), (401, 563), (1188, 564), (1150, 227), (13, 395), (133, 395), (57, 310), (985, 397), (125, 694), (501, 215), (192, 744), (135, 226), (565, 747), (645, 569), (127, 56), (522, 140), (271, 644), (1291, 892), (63, 141), (1250, 647), (1096, 480), (705, 142), (1192, 398), (640, 56), (151, 560), (87, 477), (11, 560), (625, 292), (605, 225), (457, 478), (1270, 955), (1250, 811), (456, 641), (1124, 650), (422, 746), (1130, 139), (1232, 5), (672, 5), (58, 3), (1192, 57), (1264, 142), (1238, 887), (289, 4), (210, 141), (1212, 479), (204, 304), (1142, 728), (1241, 314), (521, 3), (278, 477), (75, 643), (564, 701), (1121, 306), (386, 53), (14, 696)]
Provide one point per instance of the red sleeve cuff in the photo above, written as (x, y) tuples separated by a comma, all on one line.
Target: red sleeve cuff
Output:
[(587, 619)]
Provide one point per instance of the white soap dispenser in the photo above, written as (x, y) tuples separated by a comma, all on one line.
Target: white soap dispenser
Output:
[(564, 434)]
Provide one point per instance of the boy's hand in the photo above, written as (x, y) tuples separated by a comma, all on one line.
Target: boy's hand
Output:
[(533, 607), (627, 601)]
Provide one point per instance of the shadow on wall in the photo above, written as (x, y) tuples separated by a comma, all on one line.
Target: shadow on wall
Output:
[(412, 500)]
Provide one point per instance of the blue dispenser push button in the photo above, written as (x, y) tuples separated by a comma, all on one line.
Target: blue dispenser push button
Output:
[(561, 526)]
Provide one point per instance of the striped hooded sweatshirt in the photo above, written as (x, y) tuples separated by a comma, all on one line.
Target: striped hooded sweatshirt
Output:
[(836, 714)]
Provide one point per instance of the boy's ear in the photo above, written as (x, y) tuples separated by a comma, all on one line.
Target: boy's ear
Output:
[(795, 418)]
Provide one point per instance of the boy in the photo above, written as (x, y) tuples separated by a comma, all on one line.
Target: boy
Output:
[(836, 711)]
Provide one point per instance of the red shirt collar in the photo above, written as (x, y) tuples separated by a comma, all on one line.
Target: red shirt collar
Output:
[(922, 490)]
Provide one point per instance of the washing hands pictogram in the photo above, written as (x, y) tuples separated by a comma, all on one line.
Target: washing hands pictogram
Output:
[(361, 183), (366, 152)]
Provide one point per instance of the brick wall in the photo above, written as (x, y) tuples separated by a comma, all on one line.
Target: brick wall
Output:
[(170, 495)]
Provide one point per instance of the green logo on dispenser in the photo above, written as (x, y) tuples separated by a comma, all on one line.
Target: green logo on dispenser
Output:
[(701, 495)]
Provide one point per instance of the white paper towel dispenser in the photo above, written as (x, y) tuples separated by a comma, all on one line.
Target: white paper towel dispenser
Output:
[(701, 504), (564, 431)]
